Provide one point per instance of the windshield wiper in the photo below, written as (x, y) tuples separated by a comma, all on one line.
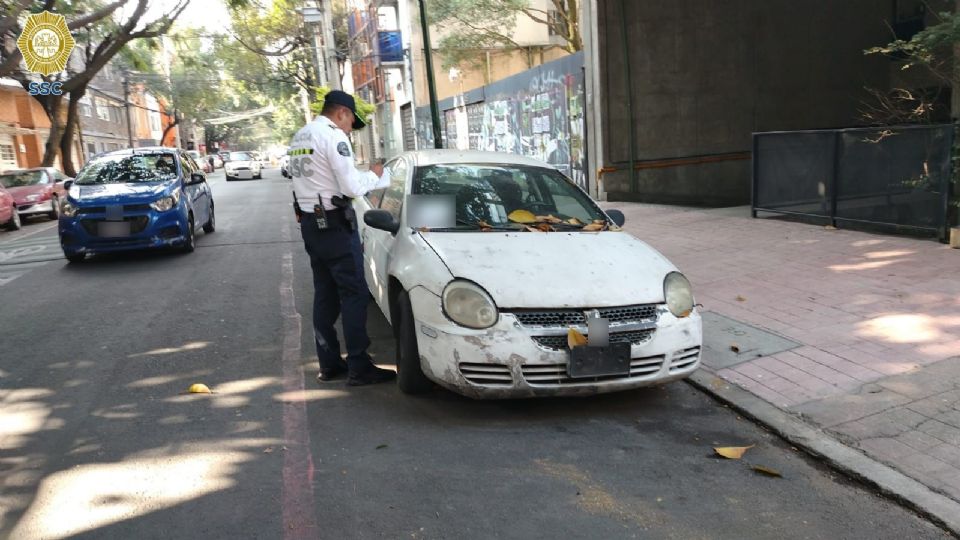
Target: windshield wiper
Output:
[(463, 225)]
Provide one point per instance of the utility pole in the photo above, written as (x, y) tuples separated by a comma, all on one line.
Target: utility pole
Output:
[(126, 103), (431, 85)]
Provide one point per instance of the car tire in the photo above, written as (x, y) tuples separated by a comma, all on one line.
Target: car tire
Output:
[(229, 179), (191, 243), (211, 224), (55, 213), (410, 377), (14, 224), (259, 175), (74, 258)]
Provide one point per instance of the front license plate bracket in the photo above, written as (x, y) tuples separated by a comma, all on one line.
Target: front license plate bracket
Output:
[(588, 362)]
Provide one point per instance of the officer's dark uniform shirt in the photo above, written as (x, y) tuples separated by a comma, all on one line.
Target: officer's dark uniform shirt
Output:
[(322, 163)]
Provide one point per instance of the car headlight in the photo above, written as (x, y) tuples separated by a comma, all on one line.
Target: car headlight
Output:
[(166, 203), (67, 208), (469, 305), (678, 293)]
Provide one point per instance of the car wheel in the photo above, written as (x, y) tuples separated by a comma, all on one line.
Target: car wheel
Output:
[(410, 377), (259, 175), (229, 179), (75, 257), (211, 224), (14, 224), (191, 243)]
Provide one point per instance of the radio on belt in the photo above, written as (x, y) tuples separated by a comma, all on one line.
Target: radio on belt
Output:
[(320, 214)]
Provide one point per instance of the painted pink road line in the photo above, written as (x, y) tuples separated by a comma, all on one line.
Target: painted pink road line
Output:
[(299, 512)]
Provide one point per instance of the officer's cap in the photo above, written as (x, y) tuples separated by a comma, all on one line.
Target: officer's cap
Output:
[(339, 97)]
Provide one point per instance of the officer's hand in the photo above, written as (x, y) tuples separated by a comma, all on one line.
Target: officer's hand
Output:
[(377, 169)]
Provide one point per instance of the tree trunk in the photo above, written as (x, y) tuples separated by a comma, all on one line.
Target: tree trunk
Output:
[(166, 130), (51, 105), (69, 131)]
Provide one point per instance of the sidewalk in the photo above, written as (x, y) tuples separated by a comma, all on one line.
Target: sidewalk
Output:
[(871, 324)]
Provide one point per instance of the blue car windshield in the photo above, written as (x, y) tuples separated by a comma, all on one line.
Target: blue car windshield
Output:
[(127, 169)]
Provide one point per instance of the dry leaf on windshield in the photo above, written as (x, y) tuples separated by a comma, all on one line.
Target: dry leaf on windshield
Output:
[(732, 452), (532, 229), (522, 216), (573, 221), (593, 227), (552, 219), (575, 338), (545, 227), (767, 471)]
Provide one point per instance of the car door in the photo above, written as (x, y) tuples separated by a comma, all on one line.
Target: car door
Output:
[(194, 192), (378, 244)]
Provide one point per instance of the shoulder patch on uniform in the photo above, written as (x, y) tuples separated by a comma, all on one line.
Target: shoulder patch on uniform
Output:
[(343, 149)]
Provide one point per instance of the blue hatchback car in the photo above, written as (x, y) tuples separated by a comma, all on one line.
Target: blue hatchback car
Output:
[(135, 199)]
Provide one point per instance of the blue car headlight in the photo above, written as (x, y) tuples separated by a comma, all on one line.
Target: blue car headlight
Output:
[(164, 204), (68, 209)]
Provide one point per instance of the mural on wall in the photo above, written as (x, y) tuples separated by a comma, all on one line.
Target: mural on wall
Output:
[(537, 113)]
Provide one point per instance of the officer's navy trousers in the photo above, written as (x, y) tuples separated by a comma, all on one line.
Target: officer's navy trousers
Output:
[(336, 257)]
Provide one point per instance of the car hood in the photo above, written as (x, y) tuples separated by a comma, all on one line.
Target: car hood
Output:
[(21, 192), (119, 193), (238, 163), (555, 270)]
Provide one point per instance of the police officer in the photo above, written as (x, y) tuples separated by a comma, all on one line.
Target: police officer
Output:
[(324, 179)]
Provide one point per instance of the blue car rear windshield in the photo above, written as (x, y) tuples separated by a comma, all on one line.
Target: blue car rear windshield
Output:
[(127, 169)]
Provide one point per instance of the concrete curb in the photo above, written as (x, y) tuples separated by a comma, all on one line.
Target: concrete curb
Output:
[(934, 506)]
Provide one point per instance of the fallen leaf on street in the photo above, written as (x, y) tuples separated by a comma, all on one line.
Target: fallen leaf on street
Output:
[(735, 348), (732, 452), (767, 471), (830, 228), (575, 338), (268, 450), (381, 446), (741, 299)]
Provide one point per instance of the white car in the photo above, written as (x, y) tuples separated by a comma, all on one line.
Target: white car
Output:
[(241, 166), (484, 262)]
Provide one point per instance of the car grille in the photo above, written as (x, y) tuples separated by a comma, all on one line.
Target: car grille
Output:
[(137, 224), (559, 343), (684, 359), (103, 209), (486, 374), (552, 374), (574, 317)]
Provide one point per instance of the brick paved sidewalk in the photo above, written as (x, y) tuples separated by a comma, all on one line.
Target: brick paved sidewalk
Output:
[(875, 319)]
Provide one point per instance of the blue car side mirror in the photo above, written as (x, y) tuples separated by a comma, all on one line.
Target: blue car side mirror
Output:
[(197, 178)]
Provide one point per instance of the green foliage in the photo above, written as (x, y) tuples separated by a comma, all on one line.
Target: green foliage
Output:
[(364, 110)]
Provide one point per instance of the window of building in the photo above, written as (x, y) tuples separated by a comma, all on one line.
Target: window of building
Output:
[(6, 153), (154, 122), (103, 110), (85, 108), (554, 22), (91, 149)]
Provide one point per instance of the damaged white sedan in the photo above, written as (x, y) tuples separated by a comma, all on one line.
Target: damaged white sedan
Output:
[(501, 278)]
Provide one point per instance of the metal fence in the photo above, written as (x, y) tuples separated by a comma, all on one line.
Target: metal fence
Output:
[(897, 176)]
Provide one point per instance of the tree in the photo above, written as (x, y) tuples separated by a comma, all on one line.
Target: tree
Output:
[(473, 25), (98, 42)]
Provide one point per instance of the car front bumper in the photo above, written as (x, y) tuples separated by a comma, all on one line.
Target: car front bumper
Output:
[(505, 361), (30, 208), (242, 174), (148, 230)]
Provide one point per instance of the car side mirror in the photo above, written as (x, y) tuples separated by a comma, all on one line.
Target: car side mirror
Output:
[(197, 178), (617, 216), (382, 220), (67, 184)]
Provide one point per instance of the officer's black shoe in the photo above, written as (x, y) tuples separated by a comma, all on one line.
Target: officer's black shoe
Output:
[(372, 375), (331, 374)]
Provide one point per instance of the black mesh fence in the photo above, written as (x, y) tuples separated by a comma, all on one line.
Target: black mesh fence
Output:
[(894, 176)]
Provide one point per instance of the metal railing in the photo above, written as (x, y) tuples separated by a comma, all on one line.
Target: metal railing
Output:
[(896, 176)]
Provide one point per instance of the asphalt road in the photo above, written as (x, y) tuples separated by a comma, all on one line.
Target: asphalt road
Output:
[(97, 439)]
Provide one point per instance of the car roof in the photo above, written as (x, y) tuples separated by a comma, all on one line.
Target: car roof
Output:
[(140, 150), (423, 158)]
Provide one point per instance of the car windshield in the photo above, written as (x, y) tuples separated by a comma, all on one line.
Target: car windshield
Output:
[(512, 197), (23, 178), (239, 156), (127, 169)]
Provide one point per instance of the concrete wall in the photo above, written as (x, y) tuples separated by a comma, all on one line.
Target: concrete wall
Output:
[(707, 74)]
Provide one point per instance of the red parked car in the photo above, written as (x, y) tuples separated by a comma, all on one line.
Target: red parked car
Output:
[(36, 191), (9, 218)]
